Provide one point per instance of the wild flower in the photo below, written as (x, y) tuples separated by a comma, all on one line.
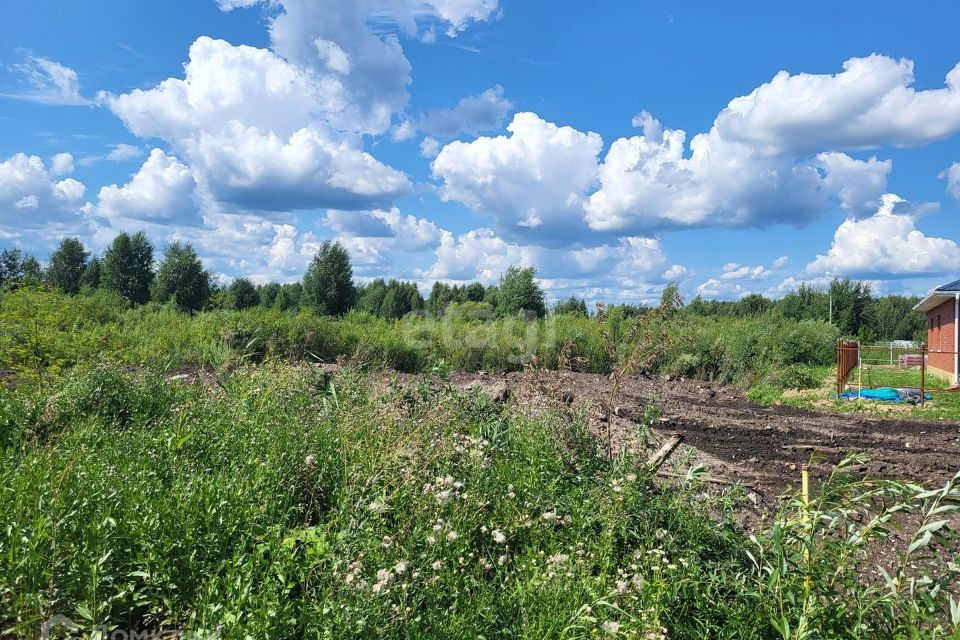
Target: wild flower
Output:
[(400, 568), (611, 627), (452, 535), (558, 558), (498, 536)]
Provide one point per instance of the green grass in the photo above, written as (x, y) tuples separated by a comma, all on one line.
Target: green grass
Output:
[(277, 506), (43, 333)]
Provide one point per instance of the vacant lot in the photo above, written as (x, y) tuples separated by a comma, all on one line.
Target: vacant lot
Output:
[(277, 502), (763, 446)]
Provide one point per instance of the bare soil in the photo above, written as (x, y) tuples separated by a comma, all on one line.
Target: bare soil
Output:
[(762, 446)]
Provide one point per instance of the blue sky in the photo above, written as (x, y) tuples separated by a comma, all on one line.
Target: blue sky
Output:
[(734, 149)]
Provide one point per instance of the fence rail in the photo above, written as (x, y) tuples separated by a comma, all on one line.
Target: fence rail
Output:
[(848, 357)]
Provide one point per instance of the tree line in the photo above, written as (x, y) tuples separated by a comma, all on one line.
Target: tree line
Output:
[(848, 304), (128, 268)]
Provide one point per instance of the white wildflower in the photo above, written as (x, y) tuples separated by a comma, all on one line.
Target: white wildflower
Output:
[(611, 627)]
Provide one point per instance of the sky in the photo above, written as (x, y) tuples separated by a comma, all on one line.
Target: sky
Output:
[(734, 148)]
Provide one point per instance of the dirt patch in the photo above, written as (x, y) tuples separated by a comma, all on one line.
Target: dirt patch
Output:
[(763, 446)]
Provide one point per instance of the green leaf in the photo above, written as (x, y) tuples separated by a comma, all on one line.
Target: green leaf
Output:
[(932, 526), (920, 543)]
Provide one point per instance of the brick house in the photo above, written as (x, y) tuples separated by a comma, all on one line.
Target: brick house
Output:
[(942, 307)]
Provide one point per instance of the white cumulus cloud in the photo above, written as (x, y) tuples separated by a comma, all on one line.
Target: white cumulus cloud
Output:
[(757, 165), (887, 245), (858, 184), (160, 192), (28, 185), (256, 131), (532, 181)]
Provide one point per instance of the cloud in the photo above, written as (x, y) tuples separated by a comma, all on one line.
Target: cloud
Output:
[(61, 164), (48, 82), (858, 184), (310, 169), (480, 254), (532, 182), (676, 273), (719, 289), (470, 115), (160, 192), (429, 147), (734, 271), (406, 232), (355, 47), (952, 176), (648, 183), (886, 245), (376, 238), (31, 197), (121, 152), (257, 132), (871, 103), (757, 165)]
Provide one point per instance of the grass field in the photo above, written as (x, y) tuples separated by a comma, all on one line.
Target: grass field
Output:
[(266, 501), (278, 505)]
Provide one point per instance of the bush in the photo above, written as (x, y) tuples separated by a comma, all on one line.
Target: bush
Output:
[(101, 391)]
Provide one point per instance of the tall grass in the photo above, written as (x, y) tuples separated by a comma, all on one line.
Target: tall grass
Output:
[(279, 506), (42, 333)]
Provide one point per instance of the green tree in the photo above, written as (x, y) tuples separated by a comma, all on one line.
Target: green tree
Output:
[(18, 268), (475, 292), (289, 296), (67, 264), (242, 294), (441, 295), (128, 267), (328, 284), (851, 302), (370, 297), (520, 292), (32, 271), (182, 278), (90, 278), (572, 305), (268, 294)]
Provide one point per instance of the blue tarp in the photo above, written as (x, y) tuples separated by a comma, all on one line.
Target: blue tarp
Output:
[(887, 394)]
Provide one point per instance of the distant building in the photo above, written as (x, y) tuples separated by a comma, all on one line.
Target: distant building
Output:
[(942, 306)]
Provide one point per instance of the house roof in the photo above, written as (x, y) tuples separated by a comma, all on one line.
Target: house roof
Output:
[(938, 296), (950, 286)]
